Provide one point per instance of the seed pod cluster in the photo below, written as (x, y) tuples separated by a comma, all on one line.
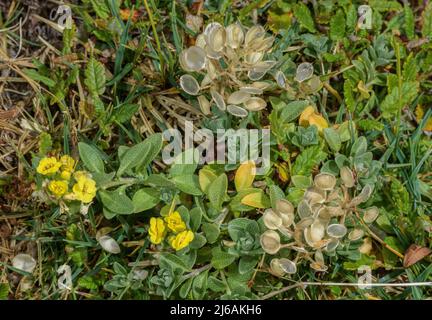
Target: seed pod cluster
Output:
[(318, 224), (225, 67)]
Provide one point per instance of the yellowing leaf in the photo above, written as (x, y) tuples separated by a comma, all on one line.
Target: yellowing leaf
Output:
[(419, 112), (304, 116), (245, 175), (318, 121), (205, 178), (256, 199)]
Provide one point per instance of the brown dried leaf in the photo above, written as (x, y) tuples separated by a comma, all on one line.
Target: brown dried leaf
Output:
[(414, 254)]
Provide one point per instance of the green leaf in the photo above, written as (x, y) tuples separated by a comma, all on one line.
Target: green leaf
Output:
[(195, 218), (333, 139), (303, 15), (409, 24), (145, 198), (185, 163), (385, 6), (199, 286), (173, 262), (275, 193), (4, 291), (217, 191), (427, 20), (292, 111), (188, 184), (309, 158), (302, 182), (34, 75), (216, 285), (91, 158), (95, 78), (237, 226), (221, 259), (125, 112), (394, 101), (101, 9), (247, 263), (116, 202), (337, 26), (348, 95), (185, 288), (211, 231)]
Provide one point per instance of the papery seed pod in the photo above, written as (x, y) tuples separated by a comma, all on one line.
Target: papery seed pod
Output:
[(189, 84), (237, 111), (335, 211), (332, 245), (304, 223), (234, 36), (355, 234), (200, 41), (319, 257), (238, 97), (335, 196), (215, 36), (194, 58), (370, 215), (325, 181), (270, 241), (213, 54), (24, 262), (304, 71), (299, 249), (324, 213), (254, 33), (317, 231), (280, 79), (275, 267), (363, 196), (318, 267), (272, 220), (288, 266), (347, 177), (303, 209), (264, 44), (261, 85), (336, 230), (211, 69), (283, 206), (218, 99), (314, 195), (204, 105), (251, 90), (255, 104), (109, 244), (256, 74), (253, 58)]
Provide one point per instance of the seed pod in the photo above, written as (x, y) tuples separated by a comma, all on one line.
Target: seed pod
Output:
[(215, 36), (370, 215), (238, 97), (109, 244), (270, 242), (237, 111), (275, 267), (189, 84), (280, 79), (234, 36), (355, 234), (304, 223), (253, 34), (336, 230), (253, 58), (24, 262), (347, 177), (255, 104), (325, 181), (288, 266), (194, 58), (251, 90), (204, 105), (314, 195), (283, 206), (304, 71), (317, 231), (272, 220), (218, 99), (303, 209), (332, 245)]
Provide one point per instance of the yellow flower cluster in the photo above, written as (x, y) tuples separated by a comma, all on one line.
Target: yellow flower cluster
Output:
[(309, 117), (174, 223), (60, 172)]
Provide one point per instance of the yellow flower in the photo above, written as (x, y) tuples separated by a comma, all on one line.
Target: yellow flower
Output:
[(82, 174), (157, 230), (65, 175), (85, 189), (68, 163), (309, 117), (181, 240), (175, 222), (419, 112), (48, 166), (58, 187)]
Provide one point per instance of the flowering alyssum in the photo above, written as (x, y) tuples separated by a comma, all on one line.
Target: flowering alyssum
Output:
[(180, 237), (58, 183)]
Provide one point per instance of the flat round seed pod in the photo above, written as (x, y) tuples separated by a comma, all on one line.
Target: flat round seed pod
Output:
[(288, 266), (204, 105), (24, 262), (347, 177), (318, 267), (195, 58), (283, 206), (319, 257), (189, 84), (253, 58), (314, 195), (211, 69), (261, 85), (256, 74), (255, 104), (304, 71), (317, 231), (270, 241), (238, 97), (215, 36), (272, 220), (324, 213), (237, 111), (213, 54), (254, 33), (335, 211), (251, 90), (275, 267), (264, 44), (325, 181), (234, 36), (287, 219), (332, 245), (218, 99), (370, 215), (200, 41), (280, 79), (109, 244), (303, 209), (336, 230), (355, 234), (304, 222)]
